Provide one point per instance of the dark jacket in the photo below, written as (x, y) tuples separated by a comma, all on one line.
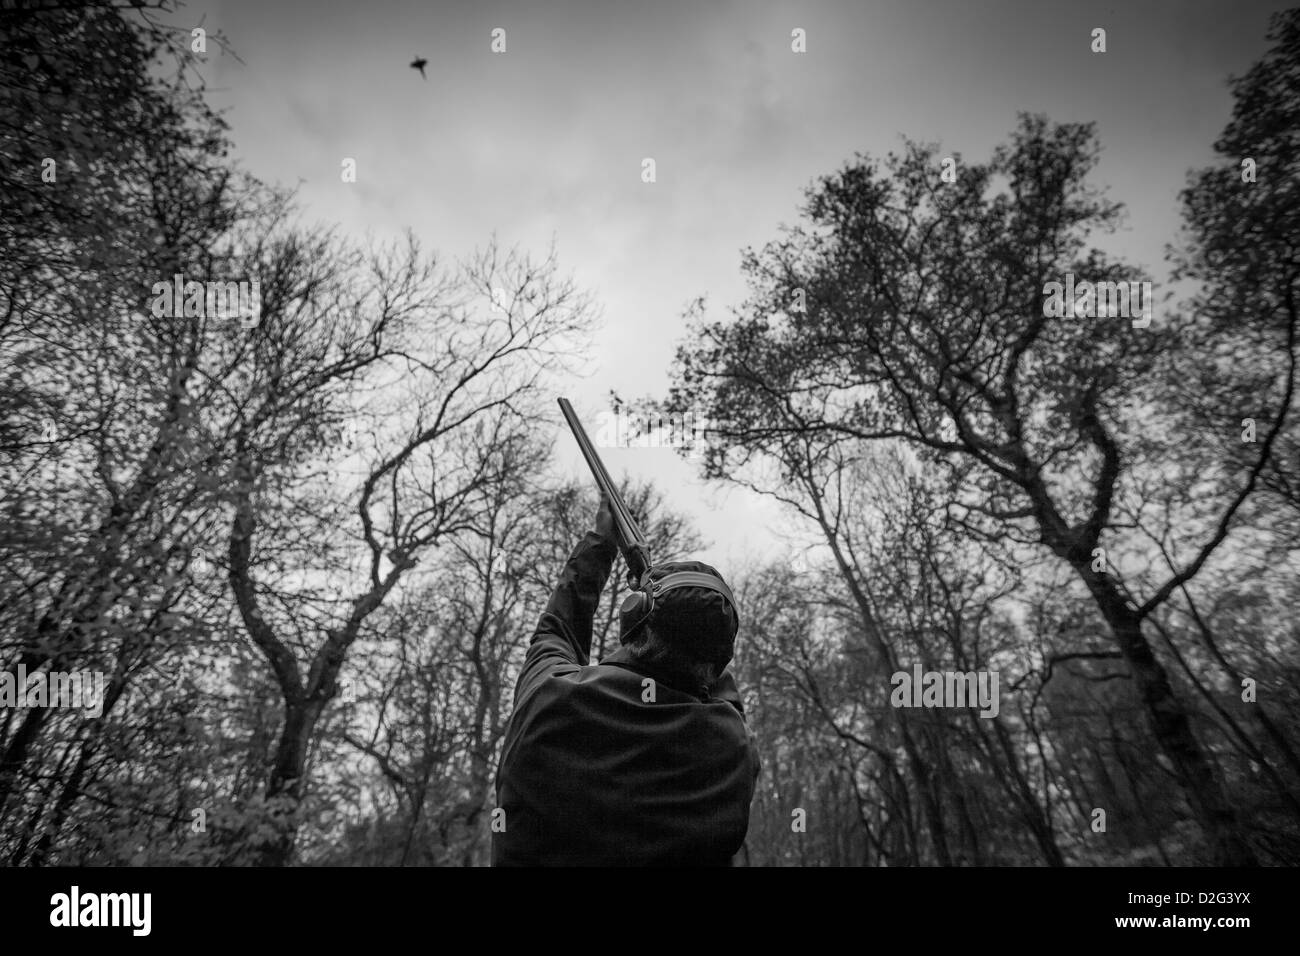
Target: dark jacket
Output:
[(593, 772)]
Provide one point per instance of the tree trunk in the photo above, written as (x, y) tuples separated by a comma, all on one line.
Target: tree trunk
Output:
[(285, 783), (1170, 725)]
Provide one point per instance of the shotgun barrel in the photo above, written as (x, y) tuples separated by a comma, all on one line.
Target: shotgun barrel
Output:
[(631, 542)]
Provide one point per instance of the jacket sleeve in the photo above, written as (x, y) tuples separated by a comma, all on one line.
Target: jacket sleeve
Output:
[(725, 689), (562, 641)]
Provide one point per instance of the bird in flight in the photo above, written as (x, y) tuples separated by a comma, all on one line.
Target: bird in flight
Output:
[(419, 63)]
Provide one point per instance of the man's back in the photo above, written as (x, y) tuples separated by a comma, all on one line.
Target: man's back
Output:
[(616, 763), (602, 768)]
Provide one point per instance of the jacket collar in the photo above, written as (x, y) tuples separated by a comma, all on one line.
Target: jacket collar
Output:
[(672, 678)]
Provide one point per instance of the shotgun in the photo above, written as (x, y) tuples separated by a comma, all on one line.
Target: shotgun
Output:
[(631, 542)]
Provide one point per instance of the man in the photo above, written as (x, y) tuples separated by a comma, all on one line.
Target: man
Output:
[(643, 759)]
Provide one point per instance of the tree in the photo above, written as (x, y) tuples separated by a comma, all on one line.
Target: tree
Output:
[(911, 309), (113, 179), (452, 392)]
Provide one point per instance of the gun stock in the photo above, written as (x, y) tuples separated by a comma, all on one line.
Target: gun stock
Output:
[(632, 543)]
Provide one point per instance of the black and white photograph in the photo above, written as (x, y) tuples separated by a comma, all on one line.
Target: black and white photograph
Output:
[(789, 434)]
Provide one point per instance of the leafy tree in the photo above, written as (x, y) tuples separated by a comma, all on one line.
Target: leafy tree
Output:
[(911, 309)]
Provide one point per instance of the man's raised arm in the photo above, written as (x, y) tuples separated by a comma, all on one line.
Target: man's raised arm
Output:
[(562, 642)]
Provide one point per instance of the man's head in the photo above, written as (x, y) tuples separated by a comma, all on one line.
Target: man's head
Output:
[(687, 628)]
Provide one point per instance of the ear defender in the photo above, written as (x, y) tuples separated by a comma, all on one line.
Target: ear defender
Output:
[(639, 605)]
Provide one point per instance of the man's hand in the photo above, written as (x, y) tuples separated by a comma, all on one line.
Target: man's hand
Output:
[(605, 520)]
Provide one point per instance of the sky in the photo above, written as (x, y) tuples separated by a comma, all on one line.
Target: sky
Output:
[(546, 140)]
